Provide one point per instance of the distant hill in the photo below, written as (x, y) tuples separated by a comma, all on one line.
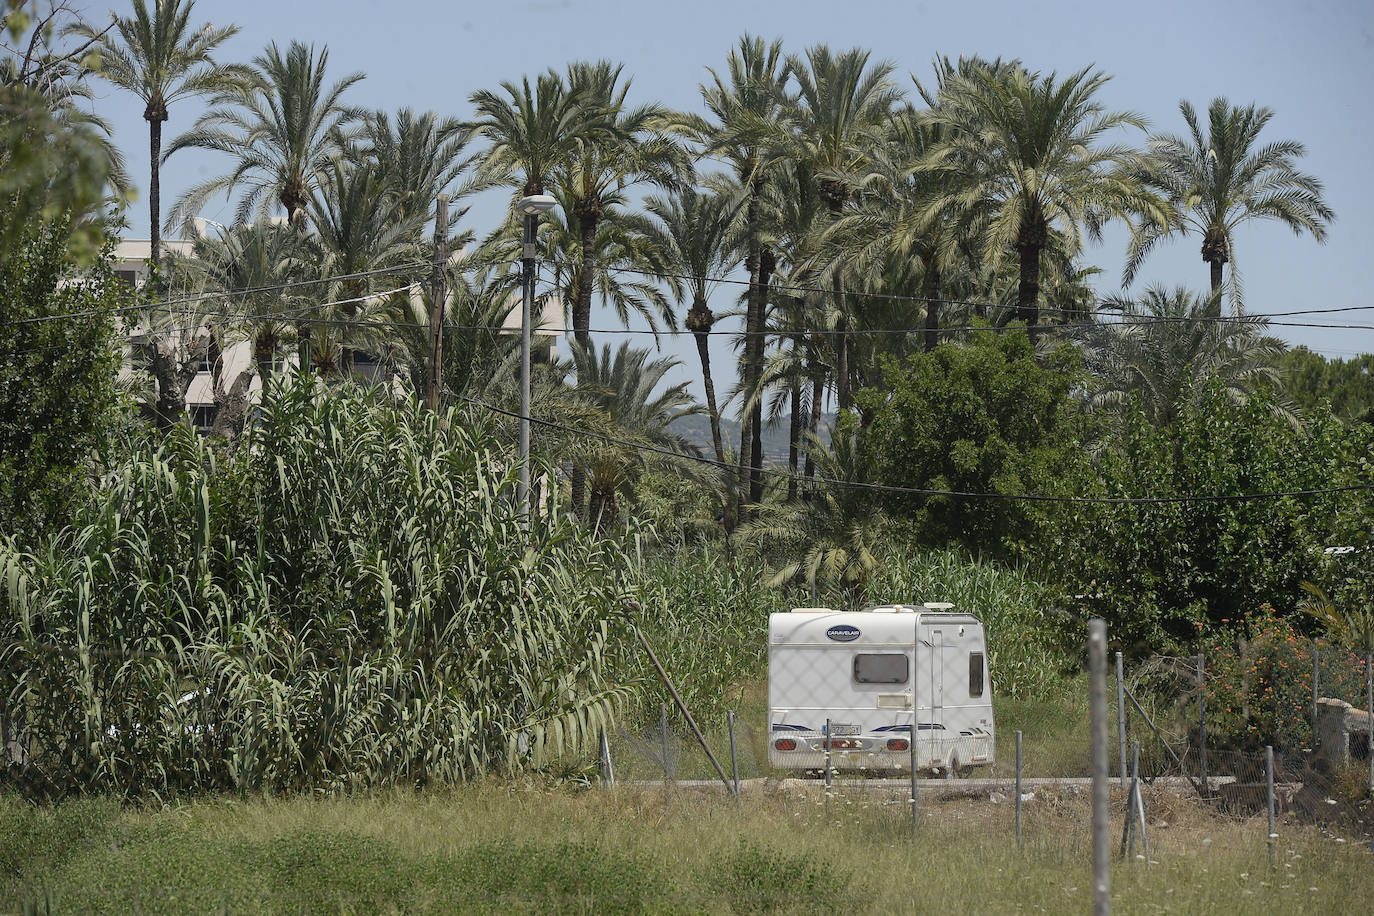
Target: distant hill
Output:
[(697, 429)]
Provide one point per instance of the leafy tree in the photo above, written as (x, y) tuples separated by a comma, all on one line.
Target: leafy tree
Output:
[(984, 418), (1345, 385), (57, 164), (1028, 149), (243, 269), (1160, 570), (1219, 181), (283, 128), (161, 59), (58, 362), (1167, 345)]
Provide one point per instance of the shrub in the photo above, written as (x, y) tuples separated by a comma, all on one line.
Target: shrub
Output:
[(1259, 686)]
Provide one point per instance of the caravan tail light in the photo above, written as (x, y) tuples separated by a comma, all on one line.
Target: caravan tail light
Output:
[(786, 744), (898, 744), (845, 744)]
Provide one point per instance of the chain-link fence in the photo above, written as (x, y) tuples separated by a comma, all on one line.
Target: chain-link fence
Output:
[(888, 717)]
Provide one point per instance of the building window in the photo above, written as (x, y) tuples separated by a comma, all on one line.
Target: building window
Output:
[(203, 415), (975, 674), (885, 668)]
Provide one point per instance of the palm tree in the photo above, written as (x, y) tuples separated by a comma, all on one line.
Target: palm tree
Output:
[(284, 128), (628, 258), (420, 157), (248, 266), (161, 59), (623, 385), (361, 230), (1168, 343), (530, 131), (1026, 149), (746, 104), (832, 538), (621, 147), (697, 240), (894, 219), (843, 106), (1219, 181)]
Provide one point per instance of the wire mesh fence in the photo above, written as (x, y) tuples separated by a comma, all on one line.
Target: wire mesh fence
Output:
[(893, 726)]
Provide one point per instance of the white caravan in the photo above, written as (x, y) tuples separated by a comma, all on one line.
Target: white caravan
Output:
[(872, 674)]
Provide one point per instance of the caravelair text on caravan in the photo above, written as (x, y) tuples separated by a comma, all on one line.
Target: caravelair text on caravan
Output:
[(872, 675)]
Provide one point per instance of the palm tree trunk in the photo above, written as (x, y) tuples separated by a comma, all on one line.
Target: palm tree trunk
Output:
[(1028, 291), (1217, 267), (699, 320), (155, 193), (586, 280), (767, 262), (814, 423), (753, 338), (742, 462), (1030, 242), (841, 346), (794, 428), (582, 323), (931, 292)]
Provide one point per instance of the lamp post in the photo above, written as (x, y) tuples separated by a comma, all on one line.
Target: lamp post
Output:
[(529, 209)]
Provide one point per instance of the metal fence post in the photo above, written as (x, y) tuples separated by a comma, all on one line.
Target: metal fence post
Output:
[(826, 743), (1121, 715), (1202, 722), (1269, 796), (911, 751), (734, 758), (1369, 708), (1139, 800), (1018, 790), (607, 769), (1097, 671)]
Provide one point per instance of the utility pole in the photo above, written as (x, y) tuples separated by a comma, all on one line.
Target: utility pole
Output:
[(529, 209), (531, 220), (436, 305)]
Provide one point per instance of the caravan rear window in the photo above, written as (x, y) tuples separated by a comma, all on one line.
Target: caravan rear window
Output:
[(975, 674), (881, 668)]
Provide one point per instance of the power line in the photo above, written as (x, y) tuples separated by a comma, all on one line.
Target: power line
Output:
[(164, 305), (977, 303), (917, 491)]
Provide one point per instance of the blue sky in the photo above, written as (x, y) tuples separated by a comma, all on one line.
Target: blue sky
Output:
[(1312, 62)]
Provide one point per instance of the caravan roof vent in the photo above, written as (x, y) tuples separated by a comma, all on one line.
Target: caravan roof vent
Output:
[(891, 609), (938, 605)]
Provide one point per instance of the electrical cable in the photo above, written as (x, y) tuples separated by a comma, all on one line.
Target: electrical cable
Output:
[(917, 491)]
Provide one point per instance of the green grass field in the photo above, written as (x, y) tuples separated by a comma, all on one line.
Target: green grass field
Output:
[(502, 848)]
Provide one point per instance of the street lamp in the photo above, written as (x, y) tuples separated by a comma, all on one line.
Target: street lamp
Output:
[(529, 208)]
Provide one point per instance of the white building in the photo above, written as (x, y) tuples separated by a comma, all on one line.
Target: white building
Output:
[(131, 265)]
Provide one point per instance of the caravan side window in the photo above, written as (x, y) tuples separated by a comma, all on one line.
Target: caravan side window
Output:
[(975, 674), (885, 668)]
